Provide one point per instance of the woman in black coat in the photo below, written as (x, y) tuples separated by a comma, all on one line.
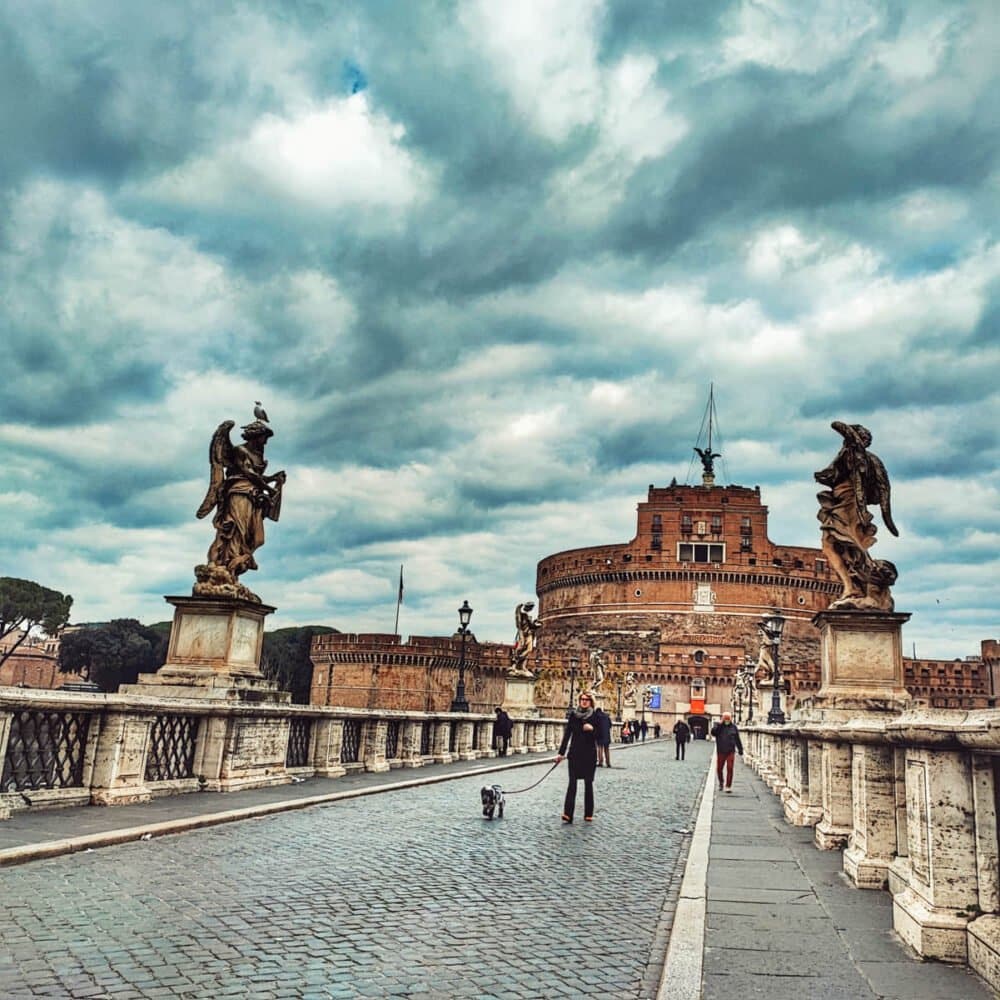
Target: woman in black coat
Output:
[(580, 738)]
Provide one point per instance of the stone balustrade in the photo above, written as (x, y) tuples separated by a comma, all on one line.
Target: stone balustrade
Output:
[(61, 748), (911, 798)]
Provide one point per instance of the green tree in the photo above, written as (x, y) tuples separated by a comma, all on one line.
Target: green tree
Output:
[(26, 606), (285, 659), (112, 653)]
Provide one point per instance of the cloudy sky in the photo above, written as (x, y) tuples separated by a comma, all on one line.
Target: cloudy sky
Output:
[(481, 262)]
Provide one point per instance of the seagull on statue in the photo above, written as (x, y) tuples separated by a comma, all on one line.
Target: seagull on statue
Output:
[(259, 412)]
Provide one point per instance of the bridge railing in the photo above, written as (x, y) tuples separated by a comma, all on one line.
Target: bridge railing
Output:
[(68, 748), (912, 801)]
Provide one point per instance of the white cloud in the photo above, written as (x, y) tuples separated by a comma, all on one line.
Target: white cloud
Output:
[(325, 157), (789, 35), (545, 53)]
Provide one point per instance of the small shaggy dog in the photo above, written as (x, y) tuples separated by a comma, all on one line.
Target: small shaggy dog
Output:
[(493, 801)]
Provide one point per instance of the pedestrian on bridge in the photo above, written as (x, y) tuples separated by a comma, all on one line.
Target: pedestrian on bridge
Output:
[(727, 745), (502, 729), (580, 738), (682, 733), (602, 737)]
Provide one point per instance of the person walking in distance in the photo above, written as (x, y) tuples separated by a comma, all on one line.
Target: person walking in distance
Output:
[(727, 745), (682, 733), (580, 740), (502, 728), (602, 736)]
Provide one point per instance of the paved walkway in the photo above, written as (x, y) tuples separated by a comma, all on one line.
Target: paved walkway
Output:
[(392, 885)]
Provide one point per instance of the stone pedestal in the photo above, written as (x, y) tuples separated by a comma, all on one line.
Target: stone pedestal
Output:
[(837, 822), (984, 950), (214, 653), (872, 844), (519, 698), (940, 874), (120, 761), (802, 795), (861, 661)]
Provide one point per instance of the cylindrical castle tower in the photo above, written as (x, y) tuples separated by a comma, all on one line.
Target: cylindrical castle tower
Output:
[(679, 605)]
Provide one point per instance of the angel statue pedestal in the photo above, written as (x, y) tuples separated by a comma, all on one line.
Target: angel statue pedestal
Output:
[(214, 653), (519, 695)]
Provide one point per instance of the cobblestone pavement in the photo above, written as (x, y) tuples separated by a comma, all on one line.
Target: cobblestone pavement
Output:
[(407, 893)]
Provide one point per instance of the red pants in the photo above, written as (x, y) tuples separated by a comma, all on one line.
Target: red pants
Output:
[(725, 760)]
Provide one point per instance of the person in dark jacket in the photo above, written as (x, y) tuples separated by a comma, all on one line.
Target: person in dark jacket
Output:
[(602, 736), (682, 733), (643, 729), (580, 739), (727, 745), (502, 728)]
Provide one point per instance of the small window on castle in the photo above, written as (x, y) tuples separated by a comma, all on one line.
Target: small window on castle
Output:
[(699, 656), (657, 522), (657, 543), (716, 524), (686, 523)]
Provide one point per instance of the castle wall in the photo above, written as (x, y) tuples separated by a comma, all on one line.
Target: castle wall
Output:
[(378, 670)]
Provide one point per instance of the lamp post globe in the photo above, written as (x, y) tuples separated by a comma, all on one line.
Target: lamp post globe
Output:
[(774, 625), (461, 703)]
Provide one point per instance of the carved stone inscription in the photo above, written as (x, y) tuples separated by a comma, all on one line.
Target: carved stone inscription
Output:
[(258, 743), (918, 824), (863, 657), (132, 755), (245, 634), (202, 636)]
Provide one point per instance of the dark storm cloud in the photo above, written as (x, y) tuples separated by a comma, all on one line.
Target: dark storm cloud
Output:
[(478, 351)]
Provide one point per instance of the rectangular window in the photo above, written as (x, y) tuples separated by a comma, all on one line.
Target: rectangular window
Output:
[(701, 552), (686, 523), (657, 522), (716, 524)]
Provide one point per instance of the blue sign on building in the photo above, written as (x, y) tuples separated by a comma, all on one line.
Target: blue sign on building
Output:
[(654, 696)]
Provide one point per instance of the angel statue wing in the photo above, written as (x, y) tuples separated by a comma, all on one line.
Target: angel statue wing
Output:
[(878, 490), (220, 453)]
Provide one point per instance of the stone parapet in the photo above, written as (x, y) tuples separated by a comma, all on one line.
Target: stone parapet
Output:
[(60, 748), (911, 799)]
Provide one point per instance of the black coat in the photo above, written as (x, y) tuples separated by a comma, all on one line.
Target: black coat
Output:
[(682, 732), (503, 725), (582, 756), (602, 727), (727, 738)]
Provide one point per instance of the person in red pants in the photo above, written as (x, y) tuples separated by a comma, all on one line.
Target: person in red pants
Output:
[(727, 745)]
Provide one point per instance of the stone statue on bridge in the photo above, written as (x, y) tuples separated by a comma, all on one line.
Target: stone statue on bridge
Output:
[(597, 669), (525, 640), (857, 479), (242, 495)]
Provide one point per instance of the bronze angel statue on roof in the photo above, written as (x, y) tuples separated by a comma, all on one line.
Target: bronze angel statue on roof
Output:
[(242, 496), (857, 479)]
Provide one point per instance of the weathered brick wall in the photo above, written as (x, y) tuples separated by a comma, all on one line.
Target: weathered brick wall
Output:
[(380, 671)]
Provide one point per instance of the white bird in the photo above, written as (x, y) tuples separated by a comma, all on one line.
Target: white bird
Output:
[(259, 412)]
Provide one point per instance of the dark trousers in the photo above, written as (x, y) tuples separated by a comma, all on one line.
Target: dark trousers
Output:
[(588, 797), (725, 760), (681, 746), (502, 743)]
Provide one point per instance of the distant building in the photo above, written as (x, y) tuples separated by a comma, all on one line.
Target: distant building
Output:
[(378, 670), (679, 606), (35, 663)]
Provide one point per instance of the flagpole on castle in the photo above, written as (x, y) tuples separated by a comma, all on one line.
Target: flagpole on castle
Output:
[(399, 600)]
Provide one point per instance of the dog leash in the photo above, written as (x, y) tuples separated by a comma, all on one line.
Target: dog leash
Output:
[(540, 780)]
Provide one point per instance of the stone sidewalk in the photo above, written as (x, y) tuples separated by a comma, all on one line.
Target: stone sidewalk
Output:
[(760, 911), (783, 921)]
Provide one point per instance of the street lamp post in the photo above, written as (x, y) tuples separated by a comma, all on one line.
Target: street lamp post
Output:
[(774, 625), (461, 703), (619, 699), (573, 664)]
